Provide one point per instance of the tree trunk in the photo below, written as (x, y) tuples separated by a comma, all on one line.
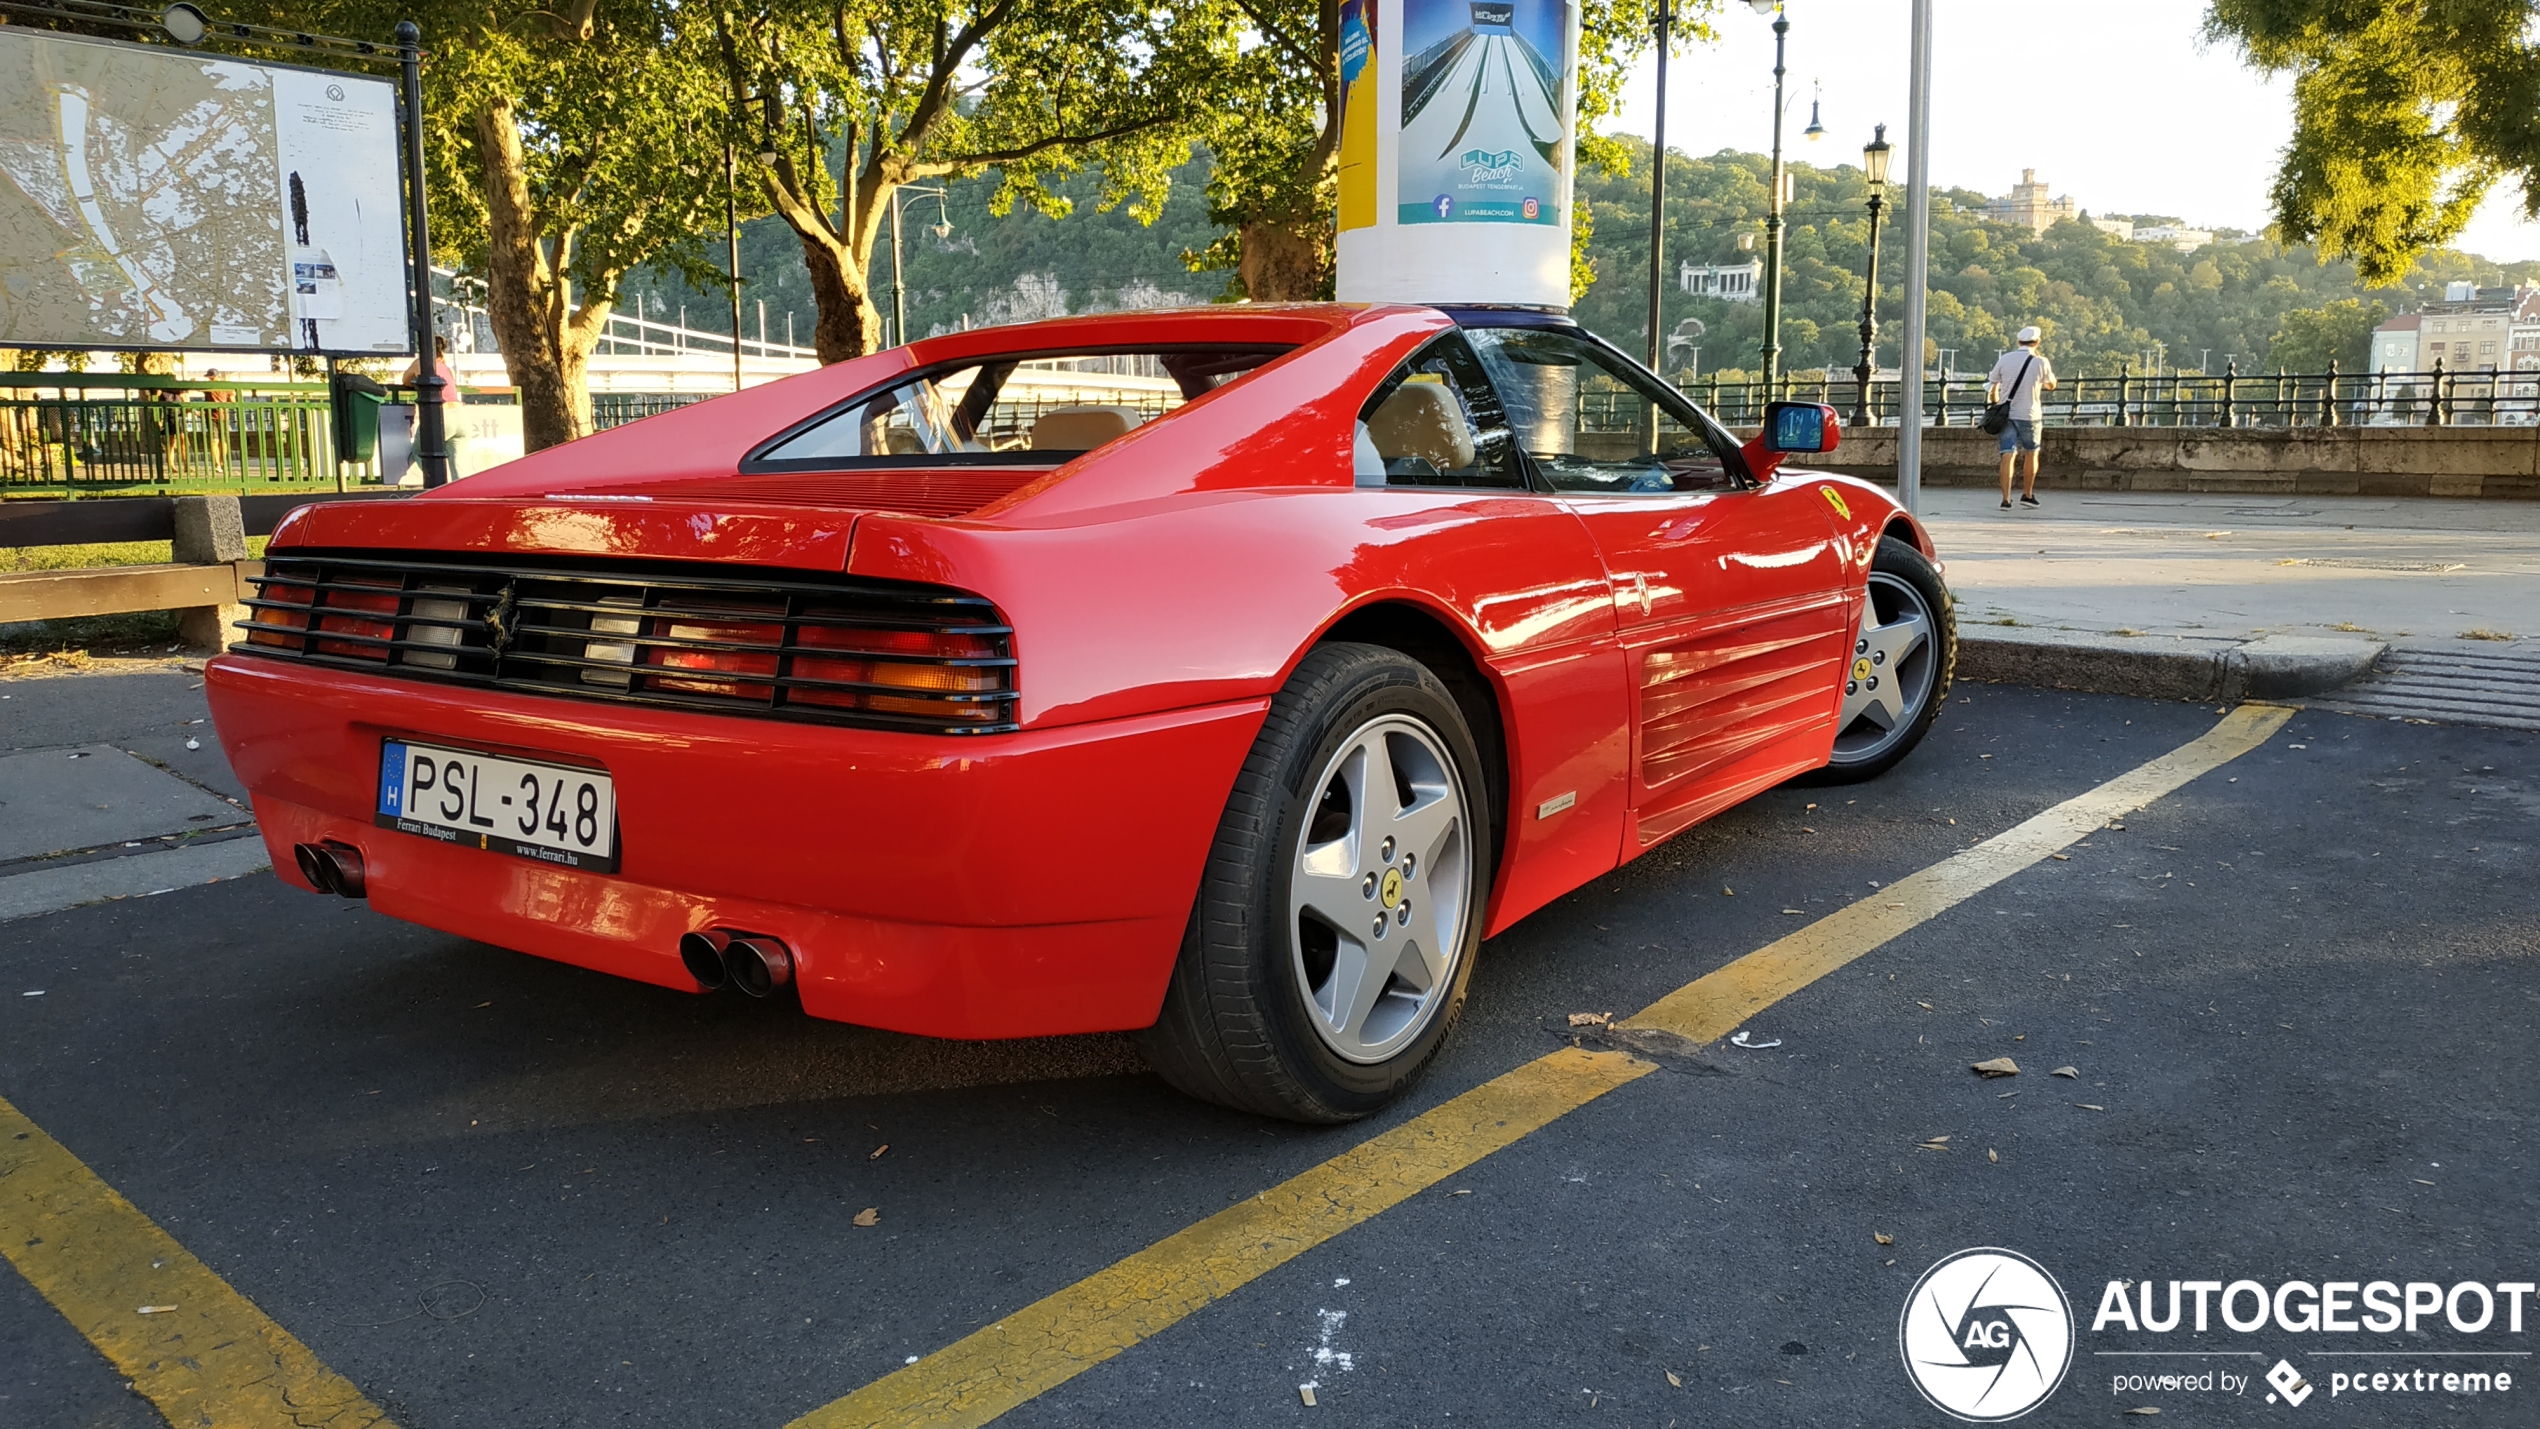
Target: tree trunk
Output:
[(849, 325), (529, 294), (1284, 262)]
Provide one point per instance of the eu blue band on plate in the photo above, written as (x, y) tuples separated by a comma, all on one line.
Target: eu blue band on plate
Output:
[(392, 779)]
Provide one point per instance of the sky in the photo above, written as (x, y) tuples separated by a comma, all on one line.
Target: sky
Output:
[(2114, 102)]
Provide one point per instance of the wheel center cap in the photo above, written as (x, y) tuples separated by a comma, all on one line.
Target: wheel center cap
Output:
[(1391, 889), (1861, 668)]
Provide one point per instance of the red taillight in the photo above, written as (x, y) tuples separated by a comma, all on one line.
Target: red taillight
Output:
[(371, 599), (910, 660), (282, 628), (755, 669)]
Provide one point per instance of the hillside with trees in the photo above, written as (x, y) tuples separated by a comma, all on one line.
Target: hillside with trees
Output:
[(2103, 302)]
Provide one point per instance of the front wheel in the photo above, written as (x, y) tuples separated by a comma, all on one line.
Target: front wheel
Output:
[(1899, 669), (1340, 910)]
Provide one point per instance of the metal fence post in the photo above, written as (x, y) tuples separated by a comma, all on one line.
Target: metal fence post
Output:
[(2439, 407), (2231, 379), (2328, 404)]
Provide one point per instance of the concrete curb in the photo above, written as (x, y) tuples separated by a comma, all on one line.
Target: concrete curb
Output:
[(2163, 667)]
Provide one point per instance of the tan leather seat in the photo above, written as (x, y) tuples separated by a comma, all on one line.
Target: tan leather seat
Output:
[(1422, 419), (1081, 429)]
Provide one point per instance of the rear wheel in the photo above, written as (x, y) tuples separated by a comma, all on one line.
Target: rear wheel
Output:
[(1902, 658), (1340, 910)]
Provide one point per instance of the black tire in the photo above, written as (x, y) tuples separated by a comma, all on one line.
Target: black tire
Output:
[(1899, 575), (1235, 1025)]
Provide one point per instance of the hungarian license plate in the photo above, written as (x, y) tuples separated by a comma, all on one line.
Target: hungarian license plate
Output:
[(554, 813)]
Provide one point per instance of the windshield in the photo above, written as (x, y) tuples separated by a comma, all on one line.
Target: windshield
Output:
[(1042, 407), (1595, 423)]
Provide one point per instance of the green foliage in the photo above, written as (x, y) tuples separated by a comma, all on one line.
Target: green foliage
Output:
[(2308, 339), (2406, 113), (989, 269), (2102, 301)]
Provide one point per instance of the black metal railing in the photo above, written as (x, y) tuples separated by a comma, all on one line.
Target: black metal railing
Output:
[(2481, 397)]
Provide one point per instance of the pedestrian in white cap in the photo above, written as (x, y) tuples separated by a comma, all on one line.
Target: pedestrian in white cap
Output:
[(2015, 382)]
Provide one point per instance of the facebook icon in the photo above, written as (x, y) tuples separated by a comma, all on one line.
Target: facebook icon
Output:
[(1445, 205)]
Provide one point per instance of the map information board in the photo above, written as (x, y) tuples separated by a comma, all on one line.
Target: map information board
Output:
[(156, 198)]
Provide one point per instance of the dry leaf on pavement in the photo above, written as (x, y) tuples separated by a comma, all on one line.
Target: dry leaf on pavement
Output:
[(1591, 1019), (1673, 1382), (2088, 1106), (1992, 1155), (1937, 1143), (869, 1216), (1998, 1067), (1882, 1237), (2066, 1072)]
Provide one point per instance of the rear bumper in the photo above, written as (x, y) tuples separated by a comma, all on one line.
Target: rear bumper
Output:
[(992, 886)]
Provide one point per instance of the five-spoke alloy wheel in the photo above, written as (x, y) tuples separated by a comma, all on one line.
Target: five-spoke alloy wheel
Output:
[(1340, 909), (1898, 670)]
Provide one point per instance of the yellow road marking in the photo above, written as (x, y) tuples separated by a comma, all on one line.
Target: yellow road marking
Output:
[(1051, 1341), (204, 1354), (1717, 1004)]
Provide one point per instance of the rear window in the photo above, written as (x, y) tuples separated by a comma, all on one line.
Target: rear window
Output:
[(1036, 408)]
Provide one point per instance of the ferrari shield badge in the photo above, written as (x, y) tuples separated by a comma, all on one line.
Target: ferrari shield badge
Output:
[(1834, 499)]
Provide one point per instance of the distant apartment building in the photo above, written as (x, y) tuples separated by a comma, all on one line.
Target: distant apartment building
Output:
[(2185, 240), (2524, 333), (2122, 228), (2394, 344), (2474, 328), (2029, 206), (1734, 282)]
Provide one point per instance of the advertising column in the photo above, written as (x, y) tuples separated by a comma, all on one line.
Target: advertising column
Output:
[(1456, 151)]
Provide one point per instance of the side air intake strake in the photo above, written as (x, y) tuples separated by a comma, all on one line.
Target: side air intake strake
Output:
[(872, 654)]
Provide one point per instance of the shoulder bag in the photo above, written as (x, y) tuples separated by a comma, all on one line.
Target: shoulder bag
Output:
[(1997, 415)]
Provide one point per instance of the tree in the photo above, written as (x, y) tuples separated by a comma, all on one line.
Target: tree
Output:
[(1278, 138), (2406, 113), (567, 150), (913, 91), (2309, 339), (561, 152)]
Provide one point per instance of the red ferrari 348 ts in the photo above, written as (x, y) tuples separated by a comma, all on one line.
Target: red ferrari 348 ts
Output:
[(1227, 674)]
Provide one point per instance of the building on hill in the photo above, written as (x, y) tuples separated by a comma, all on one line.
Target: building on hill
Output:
[(1735, 282), (2185, 240), (2029, 206), (2122, 228)]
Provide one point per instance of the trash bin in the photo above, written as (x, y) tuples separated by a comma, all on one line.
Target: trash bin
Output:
[(356, 401)]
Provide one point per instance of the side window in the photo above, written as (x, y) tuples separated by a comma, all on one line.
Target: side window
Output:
[(1435, 422), (1595, 424)]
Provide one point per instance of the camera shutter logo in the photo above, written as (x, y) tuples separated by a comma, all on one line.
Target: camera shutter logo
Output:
[(1986, 1335)]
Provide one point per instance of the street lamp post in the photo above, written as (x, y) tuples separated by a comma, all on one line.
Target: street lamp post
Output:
[(1874, 162), (899, 296), (1664, 23), (1773, 214)]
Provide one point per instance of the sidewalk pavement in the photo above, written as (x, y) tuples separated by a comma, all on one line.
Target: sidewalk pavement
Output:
[(2210, 597)]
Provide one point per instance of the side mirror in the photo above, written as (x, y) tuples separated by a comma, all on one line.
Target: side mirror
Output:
[(1800, 427)]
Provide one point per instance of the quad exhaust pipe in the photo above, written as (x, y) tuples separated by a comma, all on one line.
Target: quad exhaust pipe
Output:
[(754, 963), (332, 867)]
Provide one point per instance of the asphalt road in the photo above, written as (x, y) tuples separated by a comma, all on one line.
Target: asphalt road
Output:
[(2300, 995)]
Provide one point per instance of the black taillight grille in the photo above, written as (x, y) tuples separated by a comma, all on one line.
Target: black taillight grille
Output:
[(875, 654)]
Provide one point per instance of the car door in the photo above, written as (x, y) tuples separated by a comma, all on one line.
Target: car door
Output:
[(1731, 598), (1449, 509)]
